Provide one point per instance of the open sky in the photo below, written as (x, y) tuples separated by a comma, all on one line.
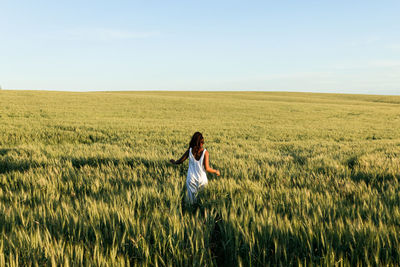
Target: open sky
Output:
[(314, 46)]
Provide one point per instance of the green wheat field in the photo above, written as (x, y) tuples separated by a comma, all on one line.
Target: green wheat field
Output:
[(306, 179)]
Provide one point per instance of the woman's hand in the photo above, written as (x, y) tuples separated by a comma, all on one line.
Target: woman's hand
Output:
[(172, 161), (218, 173)]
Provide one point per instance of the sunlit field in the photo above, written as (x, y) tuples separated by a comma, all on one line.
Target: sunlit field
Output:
[(85, 179)]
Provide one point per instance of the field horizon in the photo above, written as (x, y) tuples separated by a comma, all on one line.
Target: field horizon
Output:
[(306, 178), (205, 91)]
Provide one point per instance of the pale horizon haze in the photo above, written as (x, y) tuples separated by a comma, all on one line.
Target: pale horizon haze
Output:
[(302, 46)]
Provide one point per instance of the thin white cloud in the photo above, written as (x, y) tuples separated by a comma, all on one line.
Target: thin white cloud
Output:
[(99, 34), (394, 47), (385, 63), (377, 80), (369, 40), (376, 64), (296, 75)]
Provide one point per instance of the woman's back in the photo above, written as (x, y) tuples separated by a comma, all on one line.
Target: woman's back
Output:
[(196, 176)]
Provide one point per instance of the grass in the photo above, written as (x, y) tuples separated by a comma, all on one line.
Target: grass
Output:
[(306, 179)]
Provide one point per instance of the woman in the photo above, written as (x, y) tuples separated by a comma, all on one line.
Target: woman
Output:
[(198, 165)]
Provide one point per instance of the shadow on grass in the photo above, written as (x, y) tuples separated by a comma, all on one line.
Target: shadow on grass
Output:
[(4, 151), (379, 181), (299, 156), (369, 178), (132, 162), (352, 162), (10, 165)]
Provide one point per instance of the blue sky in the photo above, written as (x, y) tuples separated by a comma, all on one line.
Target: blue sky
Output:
[(314, 46)]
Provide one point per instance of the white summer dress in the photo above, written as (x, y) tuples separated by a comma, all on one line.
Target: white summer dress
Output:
[(196, 176)]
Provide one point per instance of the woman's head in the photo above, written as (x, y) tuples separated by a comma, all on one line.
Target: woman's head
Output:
[(196, 142)]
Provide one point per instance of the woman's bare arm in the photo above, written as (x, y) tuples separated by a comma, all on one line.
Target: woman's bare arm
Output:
[(207, 164), (182, 159)]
